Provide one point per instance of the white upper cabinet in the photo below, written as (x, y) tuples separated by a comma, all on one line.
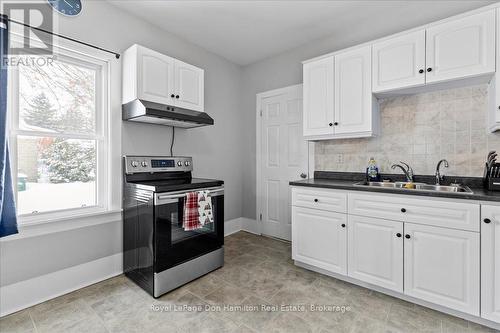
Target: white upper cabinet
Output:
[(155, 77), (318, 97), (338, 101), (189, 86), (493, 122), (147, 75), (490, 263), (461, 48), (399, 62), (494, 90), (442, 266), (353, 93)]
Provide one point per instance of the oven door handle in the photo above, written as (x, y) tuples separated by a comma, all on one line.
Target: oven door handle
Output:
[(161, 199)]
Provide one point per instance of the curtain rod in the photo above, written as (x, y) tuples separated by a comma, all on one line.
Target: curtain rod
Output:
[(5, 17)]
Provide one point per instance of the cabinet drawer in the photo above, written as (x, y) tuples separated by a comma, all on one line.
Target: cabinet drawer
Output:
[(448, 214), (320, 199)]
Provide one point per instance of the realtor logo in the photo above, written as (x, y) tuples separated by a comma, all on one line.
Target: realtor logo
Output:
[(37, 17)]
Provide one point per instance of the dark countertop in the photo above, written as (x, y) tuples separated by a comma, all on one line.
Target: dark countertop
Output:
[(346, 180)]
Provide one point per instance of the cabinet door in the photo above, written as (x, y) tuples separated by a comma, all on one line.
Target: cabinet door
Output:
[(375, 251), (442, 266), (399, 62), (189, 86), (490, 263), (318, 97), (461, 48), (494, 90), (353, 95), (155, 77), (319, 238)]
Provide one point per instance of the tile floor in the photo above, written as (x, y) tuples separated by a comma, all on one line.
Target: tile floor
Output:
[(257, 271)]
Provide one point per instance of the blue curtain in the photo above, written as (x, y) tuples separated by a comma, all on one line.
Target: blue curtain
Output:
[(8, 219)]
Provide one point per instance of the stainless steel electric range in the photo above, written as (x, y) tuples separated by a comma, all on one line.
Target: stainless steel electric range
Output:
[(158, 254)]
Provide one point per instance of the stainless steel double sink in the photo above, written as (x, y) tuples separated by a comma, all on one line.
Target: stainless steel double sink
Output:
[(405, 186)]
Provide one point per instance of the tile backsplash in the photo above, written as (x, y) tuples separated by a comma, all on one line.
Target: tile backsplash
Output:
[(420, 130)]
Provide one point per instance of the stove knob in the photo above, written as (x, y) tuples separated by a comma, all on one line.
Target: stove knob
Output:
[(134, 164), (187, 163), (179, 163), (144, 164)]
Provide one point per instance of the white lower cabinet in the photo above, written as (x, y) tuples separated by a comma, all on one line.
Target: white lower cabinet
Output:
[(442, 266), (451, 259), (319, 238), (490, 263), (375, 251)]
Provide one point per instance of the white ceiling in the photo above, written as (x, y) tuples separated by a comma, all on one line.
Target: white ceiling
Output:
[(245, 32)]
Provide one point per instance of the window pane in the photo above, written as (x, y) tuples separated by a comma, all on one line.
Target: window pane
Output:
[(56, 96), (55, 174)]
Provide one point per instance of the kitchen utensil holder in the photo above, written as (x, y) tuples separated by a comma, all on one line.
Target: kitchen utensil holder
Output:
[(492, 183)]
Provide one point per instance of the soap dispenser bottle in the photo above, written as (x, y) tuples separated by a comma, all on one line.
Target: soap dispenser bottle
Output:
[(372, 171)]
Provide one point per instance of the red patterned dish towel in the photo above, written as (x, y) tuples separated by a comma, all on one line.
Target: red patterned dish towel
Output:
[(191, 220)]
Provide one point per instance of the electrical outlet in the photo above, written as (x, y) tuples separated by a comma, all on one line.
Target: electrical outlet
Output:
[(339, 158)]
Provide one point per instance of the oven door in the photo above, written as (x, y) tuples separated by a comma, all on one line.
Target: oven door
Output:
[(174, 245)]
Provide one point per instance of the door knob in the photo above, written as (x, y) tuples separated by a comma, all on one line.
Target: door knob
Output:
[(421, 71), (398, 234), (303, 175), (487, 221), (407, 236), (429, 69), (343, 225)]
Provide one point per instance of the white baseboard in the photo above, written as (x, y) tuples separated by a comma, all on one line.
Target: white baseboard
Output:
[(250, 225), (232, 226), (21, 295), (241, 224)]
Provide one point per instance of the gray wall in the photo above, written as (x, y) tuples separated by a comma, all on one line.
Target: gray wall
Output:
[(215, 149)]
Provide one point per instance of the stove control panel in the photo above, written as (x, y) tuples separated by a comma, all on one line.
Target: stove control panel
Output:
[(152, 164)]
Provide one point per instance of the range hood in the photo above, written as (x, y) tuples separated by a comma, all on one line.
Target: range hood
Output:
[(150, 112)]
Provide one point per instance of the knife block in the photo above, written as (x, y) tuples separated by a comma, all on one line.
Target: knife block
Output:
[(491, 183)]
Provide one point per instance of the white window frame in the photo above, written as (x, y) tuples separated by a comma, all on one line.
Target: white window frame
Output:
[(82, 56)]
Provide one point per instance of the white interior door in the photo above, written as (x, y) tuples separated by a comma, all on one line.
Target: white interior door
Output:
[(282, 158)]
